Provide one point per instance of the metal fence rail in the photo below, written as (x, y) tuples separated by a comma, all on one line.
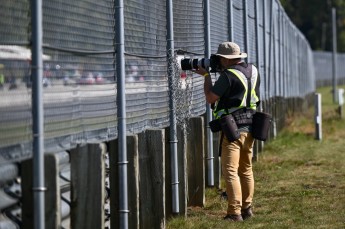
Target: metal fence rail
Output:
[(79, 74)]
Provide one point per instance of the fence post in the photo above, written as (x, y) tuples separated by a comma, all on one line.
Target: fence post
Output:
[(172, 107), (318, 117), (217, 162), (334, 54), (88, 186), (245, 24), (209, 135), (182, 171), (340, 101), (230, 21)]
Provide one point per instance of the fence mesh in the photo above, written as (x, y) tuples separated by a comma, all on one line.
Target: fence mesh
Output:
[(79, 72)]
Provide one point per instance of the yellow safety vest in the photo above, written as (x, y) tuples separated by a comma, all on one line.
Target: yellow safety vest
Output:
[(253, 96)]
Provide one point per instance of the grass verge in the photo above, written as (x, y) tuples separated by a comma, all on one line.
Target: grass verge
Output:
[(300, 182)]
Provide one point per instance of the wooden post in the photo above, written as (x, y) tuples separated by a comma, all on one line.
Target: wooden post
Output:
[(340, 101), (318, 117), (52, 195), (133, 183), (88, 186), (196, 164), (152, 179)]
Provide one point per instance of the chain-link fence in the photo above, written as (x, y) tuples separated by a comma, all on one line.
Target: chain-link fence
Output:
[(323, 62), (79, 76)]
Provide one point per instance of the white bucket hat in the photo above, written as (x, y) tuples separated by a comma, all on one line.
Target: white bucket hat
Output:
[(230, 50)]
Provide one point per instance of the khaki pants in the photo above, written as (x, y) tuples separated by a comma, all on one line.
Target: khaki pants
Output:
[(237, 171)]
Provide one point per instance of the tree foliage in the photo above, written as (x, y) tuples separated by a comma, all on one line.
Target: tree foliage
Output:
[(314, 19)]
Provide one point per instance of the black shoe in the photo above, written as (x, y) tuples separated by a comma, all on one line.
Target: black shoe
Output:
[(234, 218), (247, 213)]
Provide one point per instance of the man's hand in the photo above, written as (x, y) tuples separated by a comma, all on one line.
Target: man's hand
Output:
[(201, 71), (210, 96)]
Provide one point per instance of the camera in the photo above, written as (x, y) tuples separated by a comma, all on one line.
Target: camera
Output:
[(190, 64)]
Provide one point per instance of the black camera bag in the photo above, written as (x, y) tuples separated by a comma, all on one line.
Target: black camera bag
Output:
[(229, 127), (261, 125)]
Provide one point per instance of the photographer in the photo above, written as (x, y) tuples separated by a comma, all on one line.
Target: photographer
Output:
[(236, 92)]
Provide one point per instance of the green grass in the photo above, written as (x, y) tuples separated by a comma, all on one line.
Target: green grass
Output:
[(300, 182)]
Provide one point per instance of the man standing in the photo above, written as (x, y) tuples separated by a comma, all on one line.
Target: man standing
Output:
[(236, 92)]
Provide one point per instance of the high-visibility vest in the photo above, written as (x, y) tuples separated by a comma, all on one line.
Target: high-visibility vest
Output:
[(254, 99)]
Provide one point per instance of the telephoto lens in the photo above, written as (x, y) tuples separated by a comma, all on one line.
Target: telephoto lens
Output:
[(213, 63), (189, 64)]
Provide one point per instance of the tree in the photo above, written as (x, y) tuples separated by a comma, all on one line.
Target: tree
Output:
[(314, 19)]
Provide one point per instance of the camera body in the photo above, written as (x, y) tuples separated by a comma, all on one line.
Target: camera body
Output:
[(213, 63)]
